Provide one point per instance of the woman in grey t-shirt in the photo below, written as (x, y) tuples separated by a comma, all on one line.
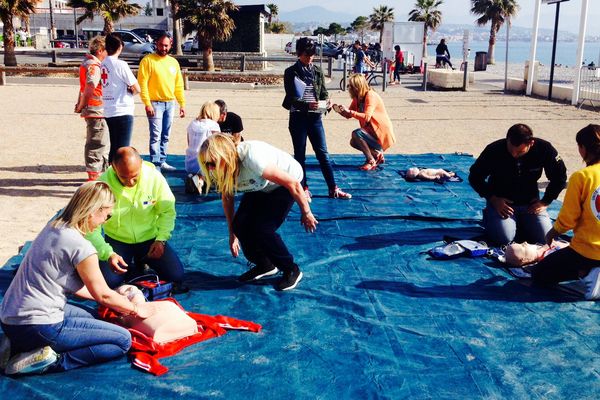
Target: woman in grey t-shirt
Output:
[(43, 331), (270, 180)]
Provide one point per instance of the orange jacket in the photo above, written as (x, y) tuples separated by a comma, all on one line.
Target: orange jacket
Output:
[(374, 119), (90, 73)]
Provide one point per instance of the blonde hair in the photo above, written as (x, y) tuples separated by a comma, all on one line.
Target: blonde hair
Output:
[(96, 45), (88, 198), (221, 150), (358, 86), (210, 110)]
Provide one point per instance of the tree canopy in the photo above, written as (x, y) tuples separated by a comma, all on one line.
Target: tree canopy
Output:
[(110, 11)]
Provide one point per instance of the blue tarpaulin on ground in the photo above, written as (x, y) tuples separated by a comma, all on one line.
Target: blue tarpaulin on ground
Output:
[(374, 317)]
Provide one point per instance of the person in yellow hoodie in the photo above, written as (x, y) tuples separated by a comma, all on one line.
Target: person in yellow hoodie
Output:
[(141, 223), (581, 213), (161, 84)]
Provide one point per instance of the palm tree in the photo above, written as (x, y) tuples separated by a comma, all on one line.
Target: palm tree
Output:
[(427, 11), (10, 9), (110, 11), (494, 11), (381, 15), (273, 11), (211, 20), (359, 25), (177, 42)]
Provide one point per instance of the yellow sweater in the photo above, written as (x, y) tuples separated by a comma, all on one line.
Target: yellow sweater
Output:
[(160, 79), (581, 212)]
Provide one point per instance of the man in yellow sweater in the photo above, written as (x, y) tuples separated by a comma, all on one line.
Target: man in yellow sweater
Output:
[(161, 84)]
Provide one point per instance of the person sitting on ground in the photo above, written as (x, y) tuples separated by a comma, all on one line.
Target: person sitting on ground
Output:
[(581, 213), (506, 174), (442, 55), (520, 254), (270, 180), (141, 224), (376, 133), (430, 174), (230, 122), (197, 132), (45, 333)]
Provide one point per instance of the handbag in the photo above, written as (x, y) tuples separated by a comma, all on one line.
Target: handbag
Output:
[(152, 287)]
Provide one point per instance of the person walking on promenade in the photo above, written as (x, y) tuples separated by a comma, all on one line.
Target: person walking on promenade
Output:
[(161, 84), (90, 107), (119, 86), (307, 99)]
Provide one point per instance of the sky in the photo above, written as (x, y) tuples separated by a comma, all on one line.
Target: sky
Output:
[(456, 11)]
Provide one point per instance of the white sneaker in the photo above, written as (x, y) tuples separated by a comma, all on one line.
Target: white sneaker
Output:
[(167, 168), (34, 361), (592, 284)]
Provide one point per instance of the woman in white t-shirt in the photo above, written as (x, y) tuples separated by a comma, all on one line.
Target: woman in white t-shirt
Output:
[(270, 180), (119, 85), (197, 132), (43, 332)]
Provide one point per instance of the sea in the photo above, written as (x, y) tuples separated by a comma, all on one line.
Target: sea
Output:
[(518, 51)]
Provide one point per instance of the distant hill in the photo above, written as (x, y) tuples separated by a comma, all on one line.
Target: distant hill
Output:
[(316, 15)]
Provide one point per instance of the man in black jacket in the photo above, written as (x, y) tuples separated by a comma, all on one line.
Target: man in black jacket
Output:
[(506, 175), (307, 99)]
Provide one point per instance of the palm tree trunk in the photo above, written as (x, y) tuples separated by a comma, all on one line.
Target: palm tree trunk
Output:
[(177, 42), (207, 58), (424, 42), (492, 44), (380, 35), (108, 26), (10, 60)]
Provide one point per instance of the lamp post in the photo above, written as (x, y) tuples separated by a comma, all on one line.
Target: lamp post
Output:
[(51, 20)]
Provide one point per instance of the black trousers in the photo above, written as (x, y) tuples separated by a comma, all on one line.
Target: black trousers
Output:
[(562, 265), (255, 224)]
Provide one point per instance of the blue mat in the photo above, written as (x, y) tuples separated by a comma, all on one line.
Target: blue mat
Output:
[(373, 317)]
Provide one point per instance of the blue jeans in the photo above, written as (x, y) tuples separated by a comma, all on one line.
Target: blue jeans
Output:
[(160, 128), (524, 226), (168, 267), (309, 125), (120, 129), (80, 338)]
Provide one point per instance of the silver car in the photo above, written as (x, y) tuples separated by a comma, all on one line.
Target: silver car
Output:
[(134, 44)]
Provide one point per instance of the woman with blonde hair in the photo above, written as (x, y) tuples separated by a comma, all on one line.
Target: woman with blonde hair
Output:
[(269, 179), (205, 124), (43, 332), (376, 133)]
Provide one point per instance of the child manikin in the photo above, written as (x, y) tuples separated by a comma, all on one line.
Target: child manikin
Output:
[(428, 173)]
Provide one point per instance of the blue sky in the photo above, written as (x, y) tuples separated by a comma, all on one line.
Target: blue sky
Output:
[(455, 11)]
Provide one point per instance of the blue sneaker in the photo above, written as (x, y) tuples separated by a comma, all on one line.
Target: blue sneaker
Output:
[(33, 362)]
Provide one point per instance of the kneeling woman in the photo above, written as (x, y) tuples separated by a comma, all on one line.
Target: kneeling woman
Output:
[(270, 180), (45, 333), (376, 133)]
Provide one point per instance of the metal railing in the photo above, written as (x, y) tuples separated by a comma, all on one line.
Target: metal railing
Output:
[(589, 85)]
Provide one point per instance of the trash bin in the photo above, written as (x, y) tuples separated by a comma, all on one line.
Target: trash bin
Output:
[(480, 61)]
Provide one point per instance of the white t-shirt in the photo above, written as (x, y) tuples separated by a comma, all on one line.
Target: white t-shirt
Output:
[(116, 76), (197, 132), (38, 292), (254, 157)]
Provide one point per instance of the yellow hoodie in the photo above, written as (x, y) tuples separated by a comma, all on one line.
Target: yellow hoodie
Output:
[(160, 79)]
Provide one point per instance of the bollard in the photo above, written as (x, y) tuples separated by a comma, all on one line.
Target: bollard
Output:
[(344, 76), (385, 72), (424, 77), (2, 78), (54, 56), (465, 76), (186, 79), (243, 63), (329, 67)]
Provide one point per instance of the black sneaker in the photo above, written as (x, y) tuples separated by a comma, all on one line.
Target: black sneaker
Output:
[(290, 279), (258, 272)]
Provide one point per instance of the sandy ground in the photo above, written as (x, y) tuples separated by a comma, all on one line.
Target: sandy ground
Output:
[(41, 163)]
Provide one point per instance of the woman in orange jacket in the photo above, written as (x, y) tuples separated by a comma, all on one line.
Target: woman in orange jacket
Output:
[(376, 133)]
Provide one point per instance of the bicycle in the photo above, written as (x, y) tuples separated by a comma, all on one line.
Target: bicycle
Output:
[(373, 76)]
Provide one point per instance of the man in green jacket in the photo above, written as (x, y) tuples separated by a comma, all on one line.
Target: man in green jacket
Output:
[(141, 223)]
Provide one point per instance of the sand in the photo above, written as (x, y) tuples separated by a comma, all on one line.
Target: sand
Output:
[(42, 139)]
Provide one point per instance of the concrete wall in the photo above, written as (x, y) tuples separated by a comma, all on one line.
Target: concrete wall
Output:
[(276, 42)]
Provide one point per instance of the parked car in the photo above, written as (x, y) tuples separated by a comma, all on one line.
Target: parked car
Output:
[(329, 49), (191, 46), (66, 41), (132, 43), (153, 33)]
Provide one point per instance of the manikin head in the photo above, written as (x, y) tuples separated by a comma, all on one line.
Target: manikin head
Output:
[(519, 254), (412, 173)]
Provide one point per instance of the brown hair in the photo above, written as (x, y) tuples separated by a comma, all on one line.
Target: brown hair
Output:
[(589, 139)]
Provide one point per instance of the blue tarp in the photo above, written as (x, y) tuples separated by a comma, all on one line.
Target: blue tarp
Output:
[(373, 316)]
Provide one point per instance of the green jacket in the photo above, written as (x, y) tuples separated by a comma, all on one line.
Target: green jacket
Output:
[(143, 212), (292, 98)]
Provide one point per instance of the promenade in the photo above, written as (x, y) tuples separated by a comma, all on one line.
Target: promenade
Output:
[(42, 139)]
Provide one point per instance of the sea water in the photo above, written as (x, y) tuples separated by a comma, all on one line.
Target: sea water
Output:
[(518, 51)]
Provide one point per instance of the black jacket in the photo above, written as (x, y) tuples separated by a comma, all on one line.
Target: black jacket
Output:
[(497, 173), (291, 97)]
